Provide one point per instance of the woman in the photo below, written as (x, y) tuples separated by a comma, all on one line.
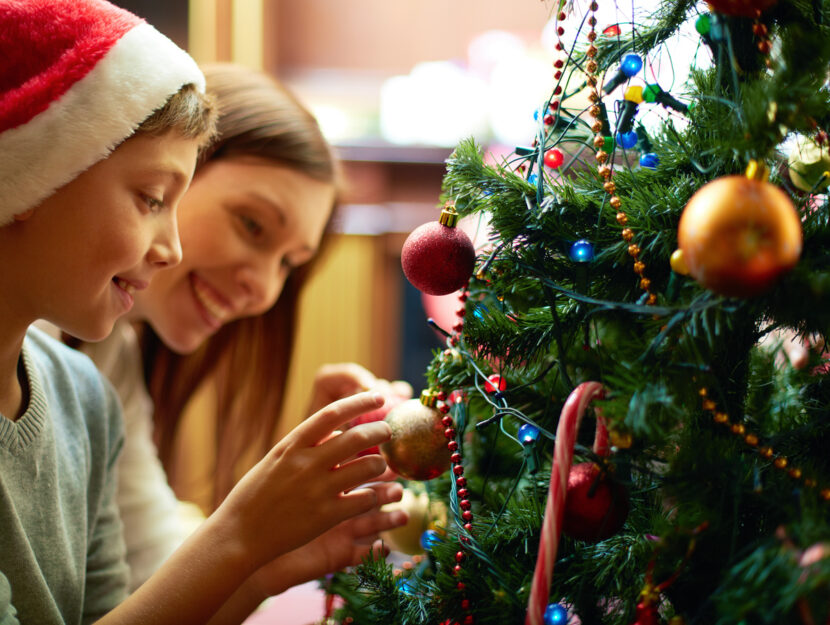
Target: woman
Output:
[(254, 217)]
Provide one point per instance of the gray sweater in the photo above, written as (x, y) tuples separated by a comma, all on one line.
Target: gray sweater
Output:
[(61, 545)]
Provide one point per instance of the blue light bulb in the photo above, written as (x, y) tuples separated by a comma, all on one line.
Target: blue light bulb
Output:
[(627, 140), (429, 538), (649, 160), (533, 178), (555, 614), (631, 64), (528, 434), (406, 587), (582, 251)]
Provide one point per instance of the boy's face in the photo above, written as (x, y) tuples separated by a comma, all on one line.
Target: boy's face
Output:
[(103, 236)]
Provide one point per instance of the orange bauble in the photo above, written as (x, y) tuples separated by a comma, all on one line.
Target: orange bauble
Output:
[(738, 235)]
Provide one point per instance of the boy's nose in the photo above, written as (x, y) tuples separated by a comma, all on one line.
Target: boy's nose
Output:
[(166, 250)]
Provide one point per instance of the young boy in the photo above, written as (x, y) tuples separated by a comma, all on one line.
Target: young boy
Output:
[(101, 118)]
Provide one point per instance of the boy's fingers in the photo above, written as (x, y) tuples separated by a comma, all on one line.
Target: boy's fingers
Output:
[(389, 492), (373, 523), (319, 425), (339, 449), (356, 502), (356, 473)]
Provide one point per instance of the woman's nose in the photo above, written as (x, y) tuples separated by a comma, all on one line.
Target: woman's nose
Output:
[(262, 282)]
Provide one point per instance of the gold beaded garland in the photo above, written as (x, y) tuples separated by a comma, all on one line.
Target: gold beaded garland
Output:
[(602, 157), (765, 451)]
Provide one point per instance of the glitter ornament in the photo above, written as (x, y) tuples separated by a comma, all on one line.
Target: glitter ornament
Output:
[(595, 506), (438, 258), (741, 8), (418, 448), (738, 235), (390, 402)]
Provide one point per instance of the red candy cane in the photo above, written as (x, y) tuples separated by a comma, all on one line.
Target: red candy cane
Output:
[(563, 452)]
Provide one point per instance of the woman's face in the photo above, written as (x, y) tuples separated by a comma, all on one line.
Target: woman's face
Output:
[(244, 224)]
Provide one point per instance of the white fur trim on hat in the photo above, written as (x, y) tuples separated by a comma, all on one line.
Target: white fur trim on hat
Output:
[(135, 77)]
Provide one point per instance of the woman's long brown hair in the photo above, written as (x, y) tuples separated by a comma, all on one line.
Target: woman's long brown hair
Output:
[(247, 359)]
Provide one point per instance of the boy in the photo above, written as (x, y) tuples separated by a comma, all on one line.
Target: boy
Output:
[(91, 169)]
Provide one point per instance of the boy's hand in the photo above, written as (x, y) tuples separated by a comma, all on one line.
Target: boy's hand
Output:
[(346, 544), (307, 483)]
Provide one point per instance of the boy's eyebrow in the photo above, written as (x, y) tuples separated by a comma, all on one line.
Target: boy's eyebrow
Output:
[(171, 171)]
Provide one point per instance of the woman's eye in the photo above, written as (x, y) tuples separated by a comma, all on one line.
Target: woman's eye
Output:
[(251, 225)]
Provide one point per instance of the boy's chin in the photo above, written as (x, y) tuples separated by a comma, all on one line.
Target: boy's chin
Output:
[(89, 333)]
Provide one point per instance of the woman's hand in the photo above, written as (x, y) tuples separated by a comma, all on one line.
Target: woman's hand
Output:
[(793, 347), (335, 381)]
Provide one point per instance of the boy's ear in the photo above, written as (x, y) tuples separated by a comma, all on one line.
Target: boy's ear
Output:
[(24, 215)]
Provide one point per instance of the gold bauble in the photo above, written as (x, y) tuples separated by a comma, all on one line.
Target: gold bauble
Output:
[(809, 166), (739, 235), (418, 448), (423, 514)]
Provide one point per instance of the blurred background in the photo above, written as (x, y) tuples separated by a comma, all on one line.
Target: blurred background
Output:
[(395, 85)]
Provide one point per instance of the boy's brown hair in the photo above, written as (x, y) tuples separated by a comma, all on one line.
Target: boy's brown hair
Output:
[(78, 77), (189, 112)]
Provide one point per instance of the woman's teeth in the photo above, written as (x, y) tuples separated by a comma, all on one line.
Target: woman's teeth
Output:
[(216, 309)]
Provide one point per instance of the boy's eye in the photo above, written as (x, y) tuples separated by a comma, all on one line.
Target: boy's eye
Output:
[(153, 203)]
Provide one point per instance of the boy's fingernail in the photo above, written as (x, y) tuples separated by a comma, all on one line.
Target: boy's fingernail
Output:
[(378, 398)]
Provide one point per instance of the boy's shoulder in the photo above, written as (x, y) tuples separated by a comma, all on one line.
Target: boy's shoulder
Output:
[(52, 353), (67, 374)]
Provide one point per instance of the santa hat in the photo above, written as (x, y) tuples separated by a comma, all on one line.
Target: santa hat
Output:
[(77, 77)]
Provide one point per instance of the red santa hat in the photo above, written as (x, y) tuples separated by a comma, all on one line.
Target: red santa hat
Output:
[(77, 77)]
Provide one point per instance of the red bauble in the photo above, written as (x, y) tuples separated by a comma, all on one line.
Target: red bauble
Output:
[(741, 8), (595, 508), (438, 259)]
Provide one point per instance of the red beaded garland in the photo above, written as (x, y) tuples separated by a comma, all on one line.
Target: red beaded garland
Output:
[(464, 503)]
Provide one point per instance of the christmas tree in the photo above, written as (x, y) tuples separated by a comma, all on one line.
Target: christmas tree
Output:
[(611, 426)]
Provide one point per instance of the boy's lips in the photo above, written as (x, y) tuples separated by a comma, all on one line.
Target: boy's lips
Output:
[(129, 285)]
